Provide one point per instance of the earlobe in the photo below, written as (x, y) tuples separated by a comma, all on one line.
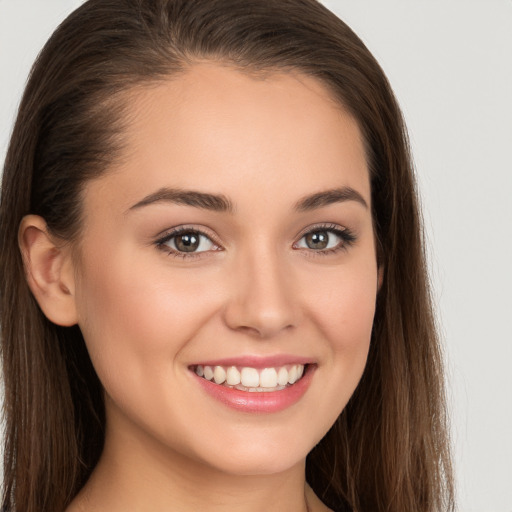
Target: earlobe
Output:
[(49, 270)]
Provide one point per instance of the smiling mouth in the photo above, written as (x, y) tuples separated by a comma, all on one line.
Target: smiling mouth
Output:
[(252, 379)]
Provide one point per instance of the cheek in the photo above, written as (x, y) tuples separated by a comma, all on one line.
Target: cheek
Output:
[(347, 319), (344, 308), (134, 316), (136, 323)]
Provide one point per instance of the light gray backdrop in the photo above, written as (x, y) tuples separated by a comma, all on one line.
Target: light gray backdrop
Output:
[(450, 63)]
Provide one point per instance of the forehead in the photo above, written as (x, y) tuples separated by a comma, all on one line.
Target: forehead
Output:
[(217, 126)]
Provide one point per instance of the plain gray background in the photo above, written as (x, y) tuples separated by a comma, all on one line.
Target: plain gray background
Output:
[(450, 64)]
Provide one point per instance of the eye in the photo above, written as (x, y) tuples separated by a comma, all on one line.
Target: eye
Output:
[(325, 239), (185, 241)]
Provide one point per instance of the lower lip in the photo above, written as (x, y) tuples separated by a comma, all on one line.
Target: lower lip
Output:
[(259, 401)]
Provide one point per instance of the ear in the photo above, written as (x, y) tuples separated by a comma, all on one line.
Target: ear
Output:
[(49, 270)]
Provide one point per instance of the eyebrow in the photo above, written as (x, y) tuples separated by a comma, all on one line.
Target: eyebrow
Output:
[(220, 203), (213, 202), (328, 197)]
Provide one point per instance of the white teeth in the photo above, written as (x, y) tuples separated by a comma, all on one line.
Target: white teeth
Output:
[(233, 376), (282, 376), (208, 373), (219, 375), (252, 379), (292, 374), (268, 378)]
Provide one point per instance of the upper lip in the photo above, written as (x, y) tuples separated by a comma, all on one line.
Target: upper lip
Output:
[(253, 361)]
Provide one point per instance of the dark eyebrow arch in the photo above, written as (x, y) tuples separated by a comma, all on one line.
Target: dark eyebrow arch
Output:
[(213, 202), (327, 197)]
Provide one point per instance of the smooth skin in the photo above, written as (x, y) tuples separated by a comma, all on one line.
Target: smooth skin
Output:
[(254, 285)]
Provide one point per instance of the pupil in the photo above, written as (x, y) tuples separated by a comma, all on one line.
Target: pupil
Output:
[(188, 242), (317, 240)]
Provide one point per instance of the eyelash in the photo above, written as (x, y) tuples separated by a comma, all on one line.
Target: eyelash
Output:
[(162, 242), (346, 236)]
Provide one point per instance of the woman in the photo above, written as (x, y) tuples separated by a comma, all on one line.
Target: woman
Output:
[(213, 284)]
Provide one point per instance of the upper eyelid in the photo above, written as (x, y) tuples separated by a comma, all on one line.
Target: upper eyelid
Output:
[(176, 231), (329, 226)]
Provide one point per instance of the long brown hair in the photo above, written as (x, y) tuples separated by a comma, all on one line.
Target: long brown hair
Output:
[(388, 450)]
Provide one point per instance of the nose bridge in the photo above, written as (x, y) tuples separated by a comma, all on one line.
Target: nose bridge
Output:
[(262, 300)]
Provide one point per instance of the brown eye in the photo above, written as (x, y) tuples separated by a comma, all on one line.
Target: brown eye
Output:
[(325, 240), (317, 240), (187, 242)]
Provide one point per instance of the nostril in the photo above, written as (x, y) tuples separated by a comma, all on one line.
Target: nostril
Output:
[(252, 331), (264, 331)]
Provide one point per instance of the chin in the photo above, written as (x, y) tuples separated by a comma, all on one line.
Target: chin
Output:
[(259, 455)]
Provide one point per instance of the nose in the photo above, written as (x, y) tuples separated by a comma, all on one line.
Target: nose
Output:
[(263, 301)]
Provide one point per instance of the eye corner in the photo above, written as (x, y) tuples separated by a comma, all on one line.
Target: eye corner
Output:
[(187, 242), (344, 238)]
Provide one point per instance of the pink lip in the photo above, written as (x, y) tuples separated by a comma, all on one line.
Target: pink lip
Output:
[(259, 402)]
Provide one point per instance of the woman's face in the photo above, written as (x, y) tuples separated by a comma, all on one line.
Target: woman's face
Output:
[(234, 238)]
